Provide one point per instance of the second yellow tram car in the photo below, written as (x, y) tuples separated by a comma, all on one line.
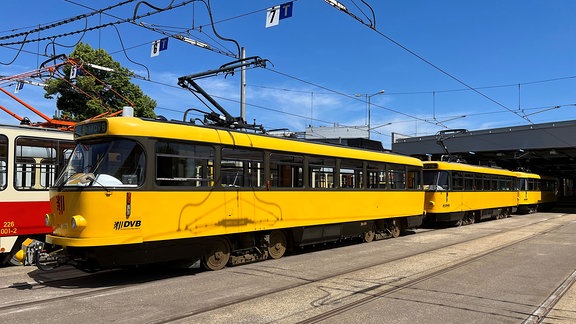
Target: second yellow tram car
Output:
[(536, 192), (460, 194), (144, 191), (529, 194)]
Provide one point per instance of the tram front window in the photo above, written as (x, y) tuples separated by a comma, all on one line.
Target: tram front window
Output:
[(112, 163), (435, 180)]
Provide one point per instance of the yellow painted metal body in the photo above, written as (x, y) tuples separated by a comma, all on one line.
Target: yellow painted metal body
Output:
[(130, 216), (450, 202), (157, 216), (529, 195), (444, 201)]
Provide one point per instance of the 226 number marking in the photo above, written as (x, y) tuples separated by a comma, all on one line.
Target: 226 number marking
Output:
[(8, 229)]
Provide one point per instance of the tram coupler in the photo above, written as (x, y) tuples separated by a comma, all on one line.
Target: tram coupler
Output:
[(44, 260)]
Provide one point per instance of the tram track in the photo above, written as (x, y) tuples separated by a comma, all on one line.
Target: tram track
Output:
[(410, 283), (539, 315), (123, 280), (370, 293), (41, 283), (39, 303), (117, 280)]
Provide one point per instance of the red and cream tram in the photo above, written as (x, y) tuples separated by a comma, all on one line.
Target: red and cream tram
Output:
[(30, 160)]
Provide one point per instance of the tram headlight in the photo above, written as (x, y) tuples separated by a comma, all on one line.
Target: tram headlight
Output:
[(78, 222), (48, 220)]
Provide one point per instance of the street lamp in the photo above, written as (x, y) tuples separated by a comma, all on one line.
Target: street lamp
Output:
[(368, 97)]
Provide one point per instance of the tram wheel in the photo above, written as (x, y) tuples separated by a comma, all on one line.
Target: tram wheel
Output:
[(368, 236), (217, 255), (277, 244), (394, 229)]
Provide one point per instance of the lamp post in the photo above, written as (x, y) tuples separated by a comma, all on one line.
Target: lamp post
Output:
[(368, 98)]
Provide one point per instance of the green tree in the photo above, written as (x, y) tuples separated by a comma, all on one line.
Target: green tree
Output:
[(91, 95)]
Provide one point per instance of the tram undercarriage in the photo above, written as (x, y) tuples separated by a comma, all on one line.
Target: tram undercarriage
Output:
[(470, 216), (219, 251)]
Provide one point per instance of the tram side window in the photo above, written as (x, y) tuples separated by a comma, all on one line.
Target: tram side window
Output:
[(505, 183), (38, 161), (351, 172), (322, 173), (486, 186), (183, 164), (478, 182), (377, 176), (286, 171), (397, 177), (3, 161), (242, 168), (414, 178), (532, 185), (520, 184), (469, 181), (457, 181)]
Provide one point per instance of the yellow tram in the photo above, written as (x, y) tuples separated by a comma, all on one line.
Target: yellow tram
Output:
[(139, 191), (460, 194), (529, 194), (536, 192)]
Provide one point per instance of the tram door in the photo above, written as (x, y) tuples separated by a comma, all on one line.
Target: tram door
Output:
[(242, 170), (444, 192), (522, 191), (232, 180)]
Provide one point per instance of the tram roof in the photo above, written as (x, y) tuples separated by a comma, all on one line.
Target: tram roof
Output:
[(443, 165), (527, 175), (133, 126), (35, 131)]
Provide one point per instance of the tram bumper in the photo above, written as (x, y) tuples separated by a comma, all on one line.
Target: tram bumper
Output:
[(93, 241), (445, 217)]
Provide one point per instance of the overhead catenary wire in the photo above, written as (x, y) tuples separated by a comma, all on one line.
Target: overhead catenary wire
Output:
[(64, 21), (440, 120), (415, 117), (336, 4), (375, 105), (342, 8), (212, 23), (342, 94), (121, 21), (159, 29)]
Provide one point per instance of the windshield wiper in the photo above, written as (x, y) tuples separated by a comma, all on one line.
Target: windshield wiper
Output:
[(90, 178)]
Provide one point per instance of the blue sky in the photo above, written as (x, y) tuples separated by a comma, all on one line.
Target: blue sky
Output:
[(517, 56)]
